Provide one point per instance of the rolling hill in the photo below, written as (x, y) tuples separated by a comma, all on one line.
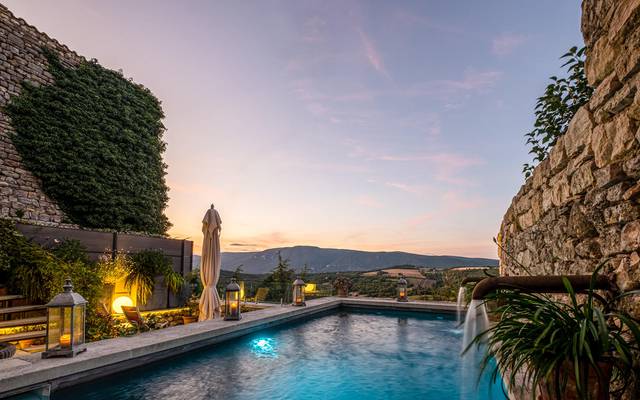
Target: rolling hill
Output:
[(332, 260)]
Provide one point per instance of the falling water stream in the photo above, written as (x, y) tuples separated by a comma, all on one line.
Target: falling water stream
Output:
[(461, 295), (475, 322)]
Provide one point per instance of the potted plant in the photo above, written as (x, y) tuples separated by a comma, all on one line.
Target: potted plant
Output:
[(7, 350), (561, 350), (193, 309), (342, 284)]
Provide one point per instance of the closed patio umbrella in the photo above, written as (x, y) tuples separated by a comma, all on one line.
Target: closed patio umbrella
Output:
[(210, 265)]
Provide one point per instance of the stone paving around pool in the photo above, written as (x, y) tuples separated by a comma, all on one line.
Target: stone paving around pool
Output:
[(31, 373)]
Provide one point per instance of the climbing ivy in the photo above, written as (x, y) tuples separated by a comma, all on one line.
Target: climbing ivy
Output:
[(94, 139), (556, 107)]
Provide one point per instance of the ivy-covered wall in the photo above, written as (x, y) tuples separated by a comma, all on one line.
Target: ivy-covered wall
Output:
[(80, 144)]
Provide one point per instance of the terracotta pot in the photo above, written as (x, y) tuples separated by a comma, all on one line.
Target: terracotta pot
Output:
[(598, 387), (3, 291), (188, 319), (343, 293), (23, 344)]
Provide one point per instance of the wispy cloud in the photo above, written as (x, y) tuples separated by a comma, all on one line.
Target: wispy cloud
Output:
[(418, 220), (414, 189), (472, 80), (368, 201), (372, 54), (456, 201), (506, 43)]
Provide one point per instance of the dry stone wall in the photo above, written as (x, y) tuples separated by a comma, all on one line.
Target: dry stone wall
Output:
[(21, 59), (581, 206)]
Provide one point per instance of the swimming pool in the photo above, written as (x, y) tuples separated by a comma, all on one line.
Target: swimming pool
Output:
[(345, 354)]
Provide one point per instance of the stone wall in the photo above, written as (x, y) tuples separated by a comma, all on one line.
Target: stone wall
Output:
[(581, 205), (21, 59)]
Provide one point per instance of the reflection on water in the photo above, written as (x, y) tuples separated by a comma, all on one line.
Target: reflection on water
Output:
[(343, 355)]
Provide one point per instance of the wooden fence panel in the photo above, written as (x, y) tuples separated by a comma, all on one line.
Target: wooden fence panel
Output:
[(103, 243)]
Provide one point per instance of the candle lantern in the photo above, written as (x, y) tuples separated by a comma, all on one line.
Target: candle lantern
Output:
[(65, 324), (402, 289), (298, 292), (232, 301)]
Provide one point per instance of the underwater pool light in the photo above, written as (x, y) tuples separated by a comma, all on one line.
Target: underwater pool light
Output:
[(264, 347)]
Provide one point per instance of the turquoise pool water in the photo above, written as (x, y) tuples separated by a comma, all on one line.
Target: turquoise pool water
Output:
[(344, 355)]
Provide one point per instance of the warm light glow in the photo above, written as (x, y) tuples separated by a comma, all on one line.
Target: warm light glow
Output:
[(241, 284), (65, 340), (310, 288), (117, 304)]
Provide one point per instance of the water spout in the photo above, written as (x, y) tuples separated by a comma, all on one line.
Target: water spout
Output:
[(541, 284)]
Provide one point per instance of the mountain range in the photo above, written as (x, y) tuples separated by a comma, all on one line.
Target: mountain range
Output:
[(332, 260)]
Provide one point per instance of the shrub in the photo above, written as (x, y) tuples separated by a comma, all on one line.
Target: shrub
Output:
[(39, 274), (94, 139), (145, 267), (556, 107)]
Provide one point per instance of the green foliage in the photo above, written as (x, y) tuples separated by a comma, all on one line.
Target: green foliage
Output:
[(71, 251), (546, 342), (145, 267), (39, 274), (280, 280), (556, 107), (194, 281), (94, 139)]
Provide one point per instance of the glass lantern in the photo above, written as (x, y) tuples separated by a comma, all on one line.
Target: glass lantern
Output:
[(65, 324), (402, 289), (298, 292), (232, 301)]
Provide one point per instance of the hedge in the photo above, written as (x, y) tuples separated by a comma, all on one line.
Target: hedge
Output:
[(94, 139)]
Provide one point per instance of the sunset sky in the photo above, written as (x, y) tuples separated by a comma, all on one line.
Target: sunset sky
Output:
[(373, 125)]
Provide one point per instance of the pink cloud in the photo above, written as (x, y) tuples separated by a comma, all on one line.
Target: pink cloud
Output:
[(405, 187), (472, 81), (368, 201), (419, 220), (373, 56), (506, 43), (456, 201)]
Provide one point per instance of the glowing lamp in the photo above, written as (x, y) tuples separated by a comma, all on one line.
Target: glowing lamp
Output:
[(65, 324), (298, 292), (402, 289), (310, 288), (232, 301), (120, 301)]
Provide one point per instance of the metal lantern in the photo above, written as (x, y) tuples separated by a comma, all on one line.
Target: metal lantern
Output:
[(232, 301), (402, 289), (298, 292), (65, 324)]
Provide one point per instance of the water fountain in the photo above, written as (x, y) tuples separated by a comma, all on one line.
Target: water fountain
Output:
[(475, 322), (462, 292)]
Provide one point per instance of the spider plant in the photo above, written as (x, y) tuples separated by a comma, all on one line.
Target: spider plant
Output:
[(143, 269), (563, 349)]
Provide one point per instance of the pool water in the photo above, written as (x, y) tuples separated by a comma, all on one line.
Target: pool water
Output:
[(340, 355)]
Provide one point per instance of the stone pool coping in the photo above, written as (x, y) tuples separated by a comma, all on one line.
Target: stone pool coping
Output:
[(30, 372)]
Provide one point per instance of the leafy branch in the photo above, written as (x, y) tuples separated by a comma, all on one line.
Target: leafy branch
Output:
[(556, 107)]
